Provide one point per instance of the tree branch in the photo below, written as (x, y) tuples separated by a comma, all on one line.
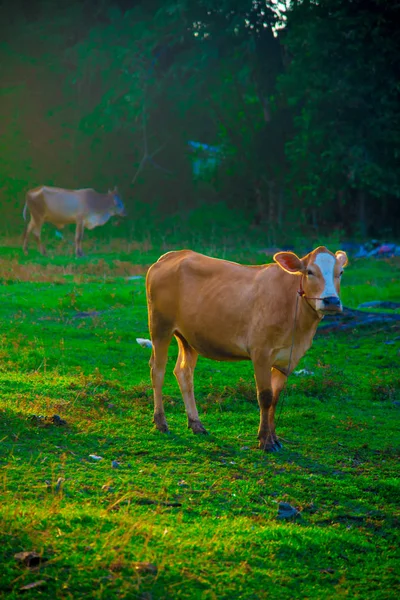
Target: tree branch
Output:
[(146, 156)]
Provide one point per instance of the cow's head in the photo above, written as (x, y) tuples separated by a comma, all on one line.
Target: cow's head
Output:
[(119, 208), (321, 272)]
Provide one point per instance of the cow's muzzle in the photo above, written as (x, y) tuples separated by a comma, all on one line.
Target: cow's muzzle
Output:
[(331, 304)]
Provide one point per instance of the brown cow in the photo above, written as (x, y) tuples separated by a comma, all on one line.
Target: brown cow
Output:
[(225, 311), (60, 207)]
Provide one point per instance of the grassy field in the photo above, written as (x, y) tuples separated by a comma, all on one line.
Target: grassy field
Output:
[(184, 516)]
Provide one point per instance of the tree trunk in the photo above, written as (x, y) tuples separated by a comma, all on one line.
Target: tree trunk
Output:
[(362, 213), (314, 218), (260, 207), (271, 213), (280, 206), (271, 202)]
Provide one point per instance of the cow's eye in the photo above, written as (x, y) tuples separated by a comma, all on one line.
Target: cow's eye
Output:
[(309, 272)]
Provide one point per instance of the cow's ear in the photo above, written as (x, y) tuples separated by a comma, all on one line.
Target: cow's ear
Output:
[(341, 257), (289, 262)]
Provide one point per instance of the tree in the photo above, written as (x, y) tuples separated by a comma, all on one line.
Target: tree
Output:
[(342, 86), (301, 102)]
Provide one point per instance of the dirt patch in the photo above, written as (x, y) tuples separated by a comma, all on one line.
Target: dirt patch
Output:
[(351, 318), (92, 245), (12, 270)]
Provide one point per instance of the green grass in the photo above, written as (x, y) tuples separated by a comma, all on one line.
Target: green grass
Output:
[(187, 516)]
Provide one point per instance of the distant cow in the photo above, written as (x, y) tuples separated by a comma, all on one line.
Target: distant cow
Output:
[(86, 208), (225, 311)]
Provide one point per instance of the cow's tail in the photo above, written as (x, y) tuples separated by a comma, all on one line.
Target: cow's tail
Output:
[(30, 195), (25, 236), (144, 343)]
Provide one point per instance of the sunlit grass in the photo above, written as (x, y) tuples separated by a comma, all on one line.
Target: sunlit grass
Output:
[(183, 516)]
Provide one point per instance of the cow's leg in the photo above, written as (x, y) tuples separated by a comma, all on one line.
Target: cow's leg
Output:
[(158, 361), (36, 233), (34, 227), (184, 371), (78, 238), (28, 228), (262, 372), (278, 380)]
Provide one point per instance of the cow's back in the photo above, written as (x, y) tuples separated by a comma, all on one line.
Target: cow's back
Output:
[(58, 205), (186, 273), (210, 302)]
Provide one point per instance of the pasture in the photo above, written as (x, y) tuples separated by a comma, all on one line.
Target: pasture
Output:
[(184, 516)]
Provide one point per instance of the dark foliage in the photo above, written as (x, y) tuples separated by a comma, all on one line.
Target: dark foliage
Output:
[(302, 104)]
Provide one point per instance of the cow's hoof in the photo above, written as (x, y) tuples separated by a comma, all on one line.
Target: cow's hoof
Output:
[(269, 446), (276, 447), (197, 427), (161, 423)]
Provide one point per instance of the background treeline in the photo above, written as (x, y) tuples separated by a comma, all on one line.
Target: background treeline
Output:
[(299, 103)]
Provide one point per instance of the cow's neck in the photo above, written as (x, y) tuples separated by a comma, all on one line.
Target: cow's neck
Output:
[(99, 202), (308, 310), (306, 313)]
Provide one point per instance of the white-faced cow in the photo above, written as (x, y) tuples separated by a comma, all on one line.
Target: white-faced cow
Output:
[(60, 207), (225, 311)]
